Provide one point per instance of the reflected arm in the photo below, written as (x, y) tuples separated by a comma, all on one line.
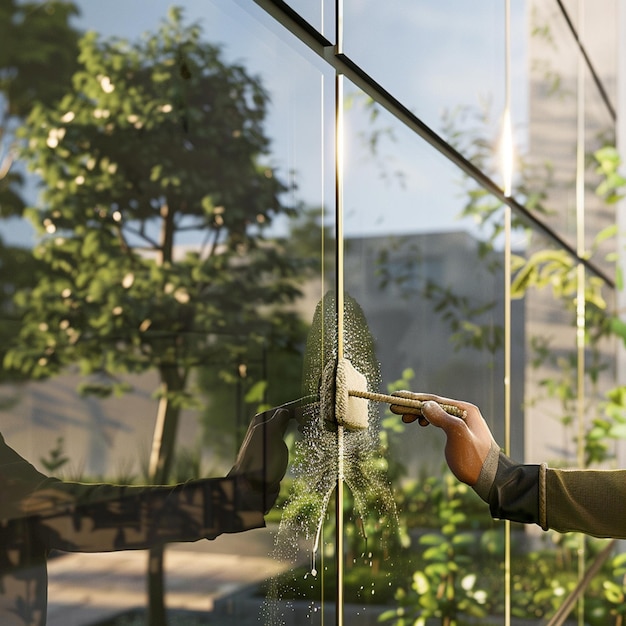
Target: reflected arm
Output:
[(86, 518), (74, 516), (101, 517)]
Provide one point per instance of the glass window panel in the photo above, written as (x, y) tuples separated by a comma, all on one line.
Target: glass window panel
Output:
[(430, 283), (598, 32), (553, 113), (553, 118), (440, 59), (549, 346), (551, 397), (559, 416), (600, 208), (252, 356), (423, 271)]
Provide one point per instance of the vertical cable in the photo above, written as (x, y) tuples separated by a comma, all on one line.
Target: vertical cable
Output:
[(507, 170), (323, 269), (580, 247), (339, 175), (580, 277)]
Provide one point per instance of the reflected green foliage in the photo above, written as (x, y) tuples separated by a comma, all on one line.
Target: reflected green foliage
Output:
[(466, 130), (19, 272), (233, 391), (453, 579), (555, 269), (465, 319), (393, 432), (542, 578), (609, 163), (35, 37), (272, 372), (56, 458), (417, 501), (157, 140), (614, 593), (307, 233)]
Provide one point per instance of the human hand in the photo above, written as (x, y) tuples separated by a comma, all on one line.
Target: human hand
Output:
[(263, 456), (468, 440)]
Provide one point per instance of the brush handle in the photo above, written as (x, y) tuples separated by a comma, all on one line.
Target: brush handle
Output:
[(414, 407)]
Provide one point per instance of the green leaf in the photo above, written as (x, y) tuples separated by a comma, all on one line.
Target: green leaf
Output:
[(256, 393), (613, 592), (95, 389), (618, 327), (432, 540), (618, 431)]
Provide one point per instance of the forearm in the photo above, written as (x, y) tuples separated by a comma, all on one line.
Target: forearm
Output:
[(97, 518), (587, 501)]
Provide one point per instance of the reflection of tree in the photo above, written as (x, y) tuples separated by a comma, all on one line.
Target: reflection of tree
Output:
[(35, 37), (272, 372), (17, 267), (373, 140), (157, 193)]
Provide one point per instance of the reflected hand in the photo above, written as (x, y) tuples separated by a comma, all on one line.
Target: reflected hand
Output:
[(468, 441), (263, 456)]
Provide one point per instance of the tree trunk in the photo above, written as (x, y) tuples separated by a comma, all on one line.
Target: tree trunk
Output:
[(163, 445), (156, 587)]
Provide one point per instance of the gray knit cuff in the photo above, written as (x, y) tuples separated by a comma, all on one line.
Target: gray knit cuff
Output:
[(487, 472)]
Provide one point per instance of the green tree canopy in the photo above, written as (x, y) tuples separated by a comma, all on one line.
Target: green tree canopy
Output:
[(156, 192), (36, 37)]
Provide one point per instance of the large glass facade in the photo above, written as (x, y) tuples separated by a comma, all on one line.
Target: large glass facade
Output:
[(206, 209)]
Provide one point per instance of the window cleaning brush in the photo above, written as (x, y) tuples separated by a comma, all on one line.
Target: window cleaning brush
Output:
[(344, 397)]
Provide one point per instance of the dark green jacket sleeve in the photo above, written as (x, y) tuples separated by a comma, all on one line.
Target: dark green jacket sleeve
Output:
[(587, 501)]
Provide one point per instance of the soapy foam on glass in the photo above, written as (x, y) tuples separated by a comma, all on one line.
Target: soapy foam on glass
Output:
[(315, 465)]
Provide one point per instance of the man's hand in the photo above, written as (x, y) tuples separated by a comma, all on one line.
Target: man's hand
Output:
[(469, 440), (263, 456)]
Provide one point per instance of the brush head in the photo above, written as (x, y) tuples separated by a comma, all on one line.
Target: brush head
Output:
[(337, 405)]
